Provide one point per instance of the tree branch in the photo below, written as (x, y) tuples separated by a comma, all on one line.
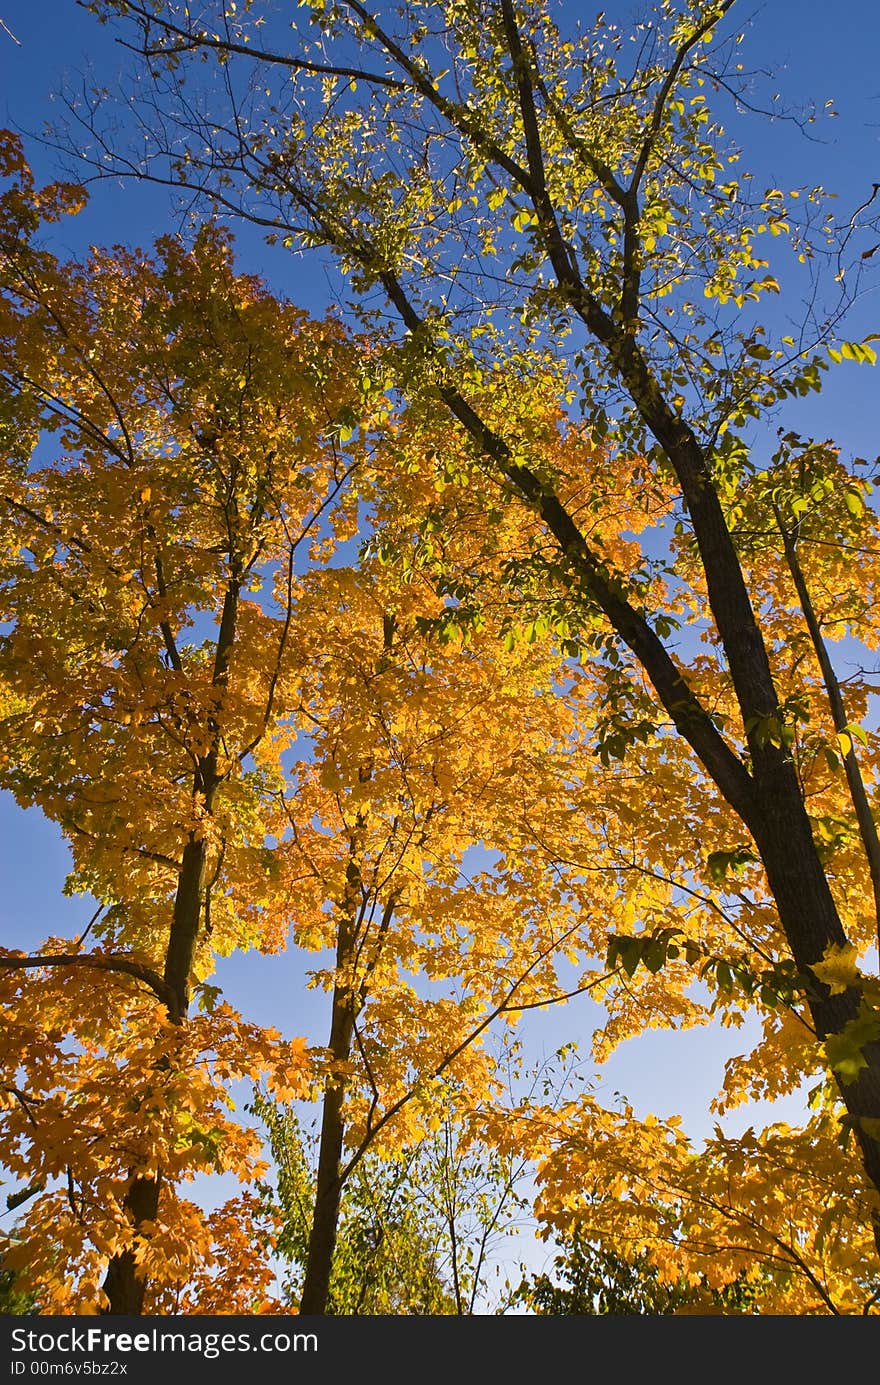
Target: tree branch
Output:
[(663, 96), (192, 41), (126, 965), (690, 717), (864, 816)]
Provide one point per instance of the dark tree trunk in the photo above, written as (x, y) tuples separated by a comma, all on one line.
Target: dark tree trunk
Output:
[(123, 1285), (328, 1189), (325, 1217)]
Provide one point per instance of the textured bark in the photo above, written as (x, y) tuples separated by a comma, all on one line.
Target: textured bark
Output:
[(328, 1195), (328, 1188), (809, 918), (123, 1285)]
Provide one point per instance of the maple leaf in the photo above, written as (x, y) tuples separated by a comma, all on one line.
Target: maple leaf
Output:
[(838, 968)]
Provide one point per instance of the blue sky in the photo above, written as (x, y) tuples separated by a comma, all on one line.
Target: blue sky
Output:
[(818, 53)]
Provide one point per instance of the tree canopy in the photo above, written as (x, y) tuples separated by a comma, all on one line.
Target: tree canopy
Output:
[(575, 699)]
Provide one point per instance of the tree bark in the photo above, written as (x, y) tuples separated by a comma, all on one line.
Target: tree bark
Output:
[(328, 1188), (123, 1283)]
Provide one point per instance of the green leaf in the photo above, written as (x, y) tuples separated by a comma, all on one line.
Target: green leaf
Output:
[(720, 863), (845, 1050), (724, 977), (630, 954), (654, 955), (207, 997)]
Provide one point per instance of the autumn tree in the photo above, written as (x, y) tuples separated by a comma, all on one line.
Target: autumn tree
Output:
[(760, 1223), (153, 379), (244, 740), (514, 186), (407, 838)]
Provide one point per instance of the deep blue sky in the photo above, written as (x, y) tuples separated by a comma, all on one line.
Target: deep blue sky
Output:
[(819, 52)]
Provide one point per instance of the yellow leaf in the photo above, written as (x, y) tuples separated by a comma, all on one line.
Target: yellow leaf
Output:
[(838, 967)]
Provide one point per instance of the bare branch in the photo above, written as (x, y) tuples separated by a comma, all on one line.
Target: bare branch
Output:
[(192, 40)]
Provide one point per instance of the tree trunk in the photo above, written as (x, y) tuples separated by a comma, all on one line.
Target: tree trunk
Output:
[(328, 1189), (328, 1195), (346, 1002), (809, 918), (123, 1285)]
